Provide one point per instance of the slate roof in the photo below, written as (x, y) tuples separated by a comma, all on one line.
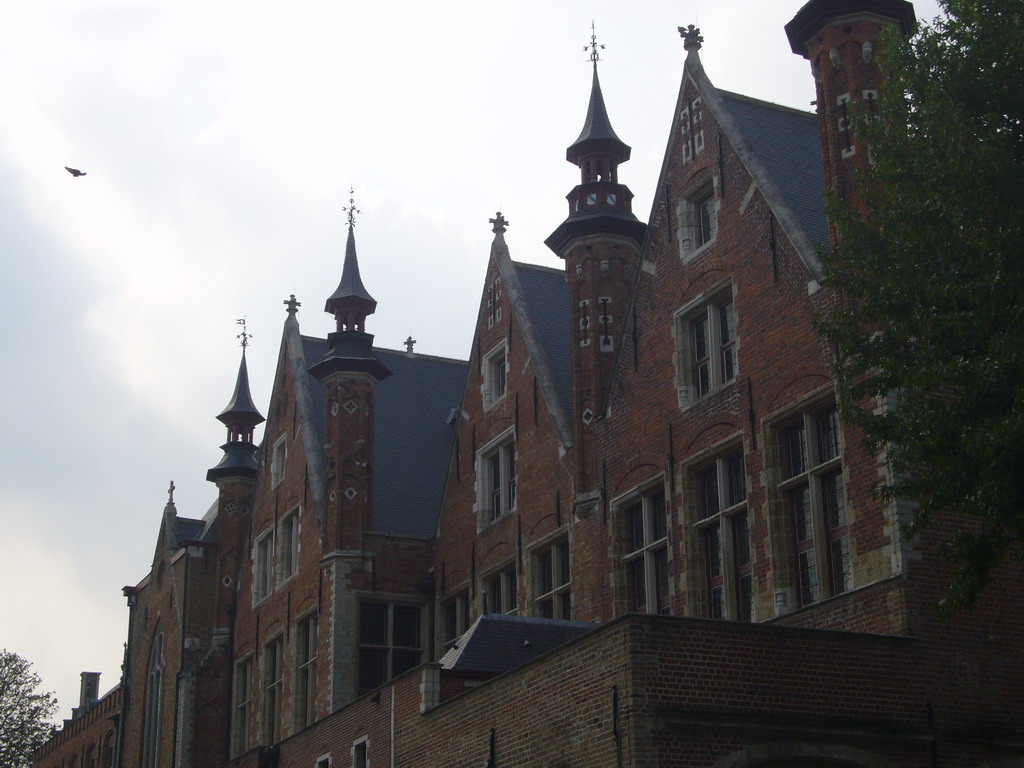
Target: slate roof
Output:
[(412, 437), (497, 642), (547, 298), (597, 128), (787, 143), (189, 529)]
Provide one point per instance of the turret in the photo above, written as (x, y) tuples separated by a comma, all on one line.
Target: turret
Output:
[(241, 417), (600, 241), (840, 38)]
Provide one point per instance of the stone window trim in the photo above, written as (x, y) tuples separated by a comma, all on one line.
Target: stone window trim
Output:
[(361, 752), (278, 460), (551, 577), (324, 761), (707, 344), (499, 589), (263, 566), (241, 720), (715, 492), (494, 384), (644, 521), (811, 501), (697, 216), (496, 479), (288, 531)]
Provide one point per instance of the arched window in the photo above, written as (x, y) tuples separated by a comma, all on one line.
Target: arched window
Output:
[(154, 699), (107, 758), (90, 757)]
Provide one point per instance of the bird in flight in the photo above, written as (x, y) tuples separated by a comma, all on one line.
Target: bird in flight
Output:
[(74, 172)]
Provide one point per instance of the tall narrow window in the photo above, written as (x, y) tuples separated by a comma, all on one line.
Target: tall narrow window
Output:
[(263, 567), (646, 529), (389, 642), (721, 523), (501, 590), (288, 546), (698, 220), (241, 723), (305, 672), (552, 583), (497, 480), (495, 375), (277, 460), (154, 704), (273, 687), (456, 618), (814, 493), (707, 351)]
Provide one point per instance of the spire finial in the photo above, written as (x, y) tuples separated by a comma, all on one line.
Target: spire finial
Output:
[(692, 37), (170, 493), (351, 209), (244, 335), (499, 222), (292, 304), (593, 46), (409, 342)]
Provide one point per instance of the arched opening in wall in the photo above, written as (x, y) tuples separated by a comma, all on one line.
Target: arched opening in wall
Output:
[(107, 756), (90, 757), (802, 754), (153, 703)]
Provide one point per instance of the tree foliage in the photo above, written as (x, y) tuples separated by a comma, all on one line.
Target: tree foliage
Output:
[(24, 711), (930, 341)]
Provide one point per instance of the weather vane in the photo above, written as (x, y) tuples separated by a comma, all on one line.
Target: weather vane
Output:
[(351, 209), (244, 335), (594, 45)]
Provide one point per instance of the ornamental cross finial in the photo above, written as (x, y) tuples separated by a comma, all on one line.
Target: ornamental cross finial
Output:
[(292, 304), (593, 46), (409, 342), (351, 209), (499, 222), (692, 37), (170, 493), (244, 335)]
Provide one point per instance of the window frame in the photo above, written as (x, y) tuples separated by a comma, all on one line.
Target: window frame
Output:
[(721, 344), (457, 607), (552, 584), (272, 689), (241, 714), (649, 555), (500, 588), (389, 647), (494, 386), (288, 548), (263, 566), (697, 218), (278, 460), (496, 465), (811, 461), (716, 507), (306, 652)]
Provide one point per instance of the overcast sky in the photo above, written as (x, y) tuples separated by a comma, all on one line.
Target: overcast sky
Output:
[(219, 140)]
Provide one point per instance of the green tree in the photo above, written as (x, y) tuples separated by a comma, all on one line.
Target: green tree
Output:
[(24, 711), (930, 338)]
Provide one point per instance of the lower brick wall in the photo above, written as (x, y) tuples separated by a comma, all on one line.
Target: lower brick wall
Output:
[(664, 691)]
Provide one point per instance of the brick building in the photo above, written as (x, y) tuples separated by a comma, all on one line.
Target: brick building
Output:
[(629, 530)]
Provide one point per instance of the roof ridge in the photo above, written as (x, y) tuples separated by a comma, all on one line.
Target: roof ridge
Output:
[(766, 103)]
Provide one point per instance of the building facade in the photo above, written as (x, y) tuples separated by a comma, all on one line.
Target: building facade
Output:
[(628, 530)]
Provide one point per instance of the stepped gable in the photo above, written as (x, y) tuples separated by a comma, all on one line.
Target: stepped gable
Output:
[(498, 642), (413, 439), (787, 143), (547, 298)]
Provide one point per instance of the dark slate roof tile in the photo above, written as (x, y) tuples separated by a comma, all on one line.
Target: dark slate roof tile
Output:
[(412, 437), (787, 143), (547, 297), (497, 642)]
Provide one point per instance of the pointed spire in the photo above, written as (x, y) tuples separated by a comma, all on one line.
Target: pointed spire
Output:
[(597, 135), (240, 416), (351, 302)]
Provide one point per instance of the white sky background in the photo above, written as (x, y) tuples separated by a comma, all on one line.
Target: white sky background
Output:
[(220, 139)]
